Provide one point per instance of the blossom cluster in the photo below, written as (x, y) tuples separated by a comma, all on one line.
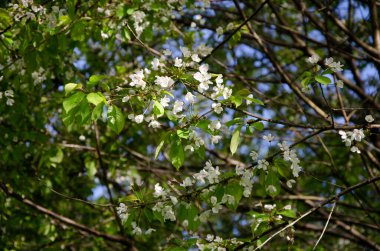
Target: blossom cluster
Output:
[(291, 155), (9, 95), (350, 137)]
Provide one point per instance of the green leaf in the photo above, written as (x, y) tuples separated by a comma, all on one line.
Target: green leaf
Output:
[(272, 183), (306, 81), (176, 154), (94, 80), (235, 121), (236, 100), (188, 212), (283, 167), (90, 165), (96, 98), (243, 92), (258, 126), (327, 71), (255, 100), (126, 35), (97, 111), (58, 157), (183, 134), (116, 119), (158, 109), (288, 213), (235, 140), (70, 87), (323, 80), (236, 190), (72, 101), (158, 148)]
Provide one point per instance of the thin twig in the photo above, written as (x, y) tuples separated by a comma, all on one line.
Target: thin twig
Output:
[(327, 222)]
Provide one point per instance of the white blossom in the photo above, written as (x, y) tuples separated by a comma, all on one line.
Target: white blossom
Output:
[(164, 82), (254, 155), (187, 182), (149, 231), (139, 118), (185, 51), (268, 137), (154, 124), (159, 191), (313, 59), (137, 79), (289, 183), (215, 139), (178, 107), (178, 62), (214, 125), (219, 31), (189, 97), (155, 64), (262, 164), (165, 101), (339, 83), (369, 118), (355, 149), (217, 108), (195, 58)]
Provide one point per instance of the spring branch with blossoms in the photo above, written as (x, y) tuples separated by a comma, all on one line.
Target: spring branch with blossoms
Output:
[(189, 125)]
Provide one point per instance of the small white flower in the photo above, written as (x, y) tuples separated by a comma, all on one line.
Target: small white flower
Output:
[(329, 61), (217, 108), (189, 97), (159, 191), (139, 119), (213, 200), (210, 237), (154, 124), (189, 148), (271, 189), (313, 59), (178, 106), (178, 62), (249, 101), (357, 135), (369, 118), (187, 182), (354, 149), (125, 99), (288, 207), (254, 155), (165, 101), (195, 58), (164, 82), (219, 31), (289, 183), (82, 138), (339, 83), (215, 125), (9, 93), (262, 164), (215, 139), (219, 79), (174, 200), (149, 231), (185, 51), (269, 207), (155, 64), (167, 52), (268, 137), (10, 102)]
